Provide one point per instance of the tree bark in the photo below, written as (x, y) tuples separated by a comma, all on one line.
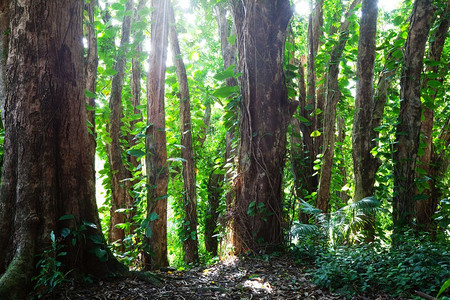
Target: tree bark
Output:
[(308, 105), (156, 156), (90, 71), (46, 172), (4, 28), (408, 128), (120, 185), (190, 240), (364, 164), (266, 112), (425, 208), (215, 183), (333, 96)]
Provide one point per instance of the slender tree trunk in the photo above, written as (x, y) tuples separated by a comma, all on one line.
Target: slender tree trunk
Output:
[(365, 165), (156, 157), (408, 128), (333, 96), (266, 113), (120, 186), (136, 76), (309, 104), (90, 71), (46, 172), (215, 183), (190, 241), (425, 208)]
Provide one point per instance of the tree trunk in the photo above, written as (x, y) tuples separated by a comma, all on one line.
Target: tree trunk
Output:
[(308, 105), (120, 186), (156, 157), (215, 183), (266, 112), (408, 128), (364, 164), (90, 71), (4, 29), (333, 96), (425, 208), (46, 172), (190, 241)]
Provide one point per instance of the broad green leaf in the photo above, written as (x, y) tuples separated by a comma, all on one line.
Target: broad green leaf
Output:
[(229, 72), (153, 216), (66, 217), (136, 152), (226, 91), (316, 133), (232, 39)]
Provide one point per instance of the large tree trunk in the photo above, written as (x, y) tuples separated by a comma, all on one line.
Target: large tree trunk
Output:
[(4, 40), (266, 112), (333, 96), (425, 208), (46, 172), (190, 240), (90, 71), (408, 128), (120, 186), (156, 157)]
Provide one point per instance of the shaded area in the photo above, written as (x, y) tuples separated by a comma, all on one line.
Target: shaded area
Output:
[(246, 278)]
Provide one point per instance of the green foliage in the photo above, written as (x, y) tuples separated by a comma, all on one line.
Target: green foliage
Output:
[(337, 228), (417, 264), (50, 270)]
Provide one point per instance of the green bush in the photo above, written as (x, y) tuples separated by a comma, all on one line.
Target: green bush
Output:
[(413, 265)]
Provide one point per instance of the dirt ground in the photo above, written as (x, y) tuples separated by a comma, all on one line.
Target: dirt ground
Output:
[(241, 279)]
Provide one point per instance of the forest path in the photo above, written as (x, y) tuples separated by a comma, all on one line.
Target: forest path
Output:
[(245, 278)]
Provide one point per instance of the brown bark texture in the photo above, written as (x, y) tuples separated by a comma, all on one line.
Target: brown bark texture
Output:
[(215, 183), (333, 96), (90, 71), (46, 172), (430, 161), (408, 128), (365, 164), (266, 113), (120, 185), (156, 156), (4, 40), (190, 240)]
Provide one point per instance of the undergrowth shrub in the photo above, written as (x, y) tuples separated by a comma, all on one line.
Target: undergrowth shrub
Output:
[(419, 265)]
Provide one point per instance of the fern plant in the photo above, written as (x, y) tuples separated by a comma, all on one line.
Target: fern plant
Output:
[(337, 228)]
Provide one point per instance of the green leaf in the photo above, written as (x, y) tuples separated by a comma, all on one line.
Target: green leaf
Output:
[(101, 254), (66, 217), (229, 72), (92, 225), (434, 83), (136, 152), (445, 286), (232, 39), (89, 94), (226, 91), (153, 216), (397, 54), (316, 133), (148, 232), (96, 239), (65, 232)]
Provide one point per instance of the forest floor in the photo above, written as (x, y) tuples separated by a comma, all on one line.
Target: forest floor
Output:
[(248, 278)]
